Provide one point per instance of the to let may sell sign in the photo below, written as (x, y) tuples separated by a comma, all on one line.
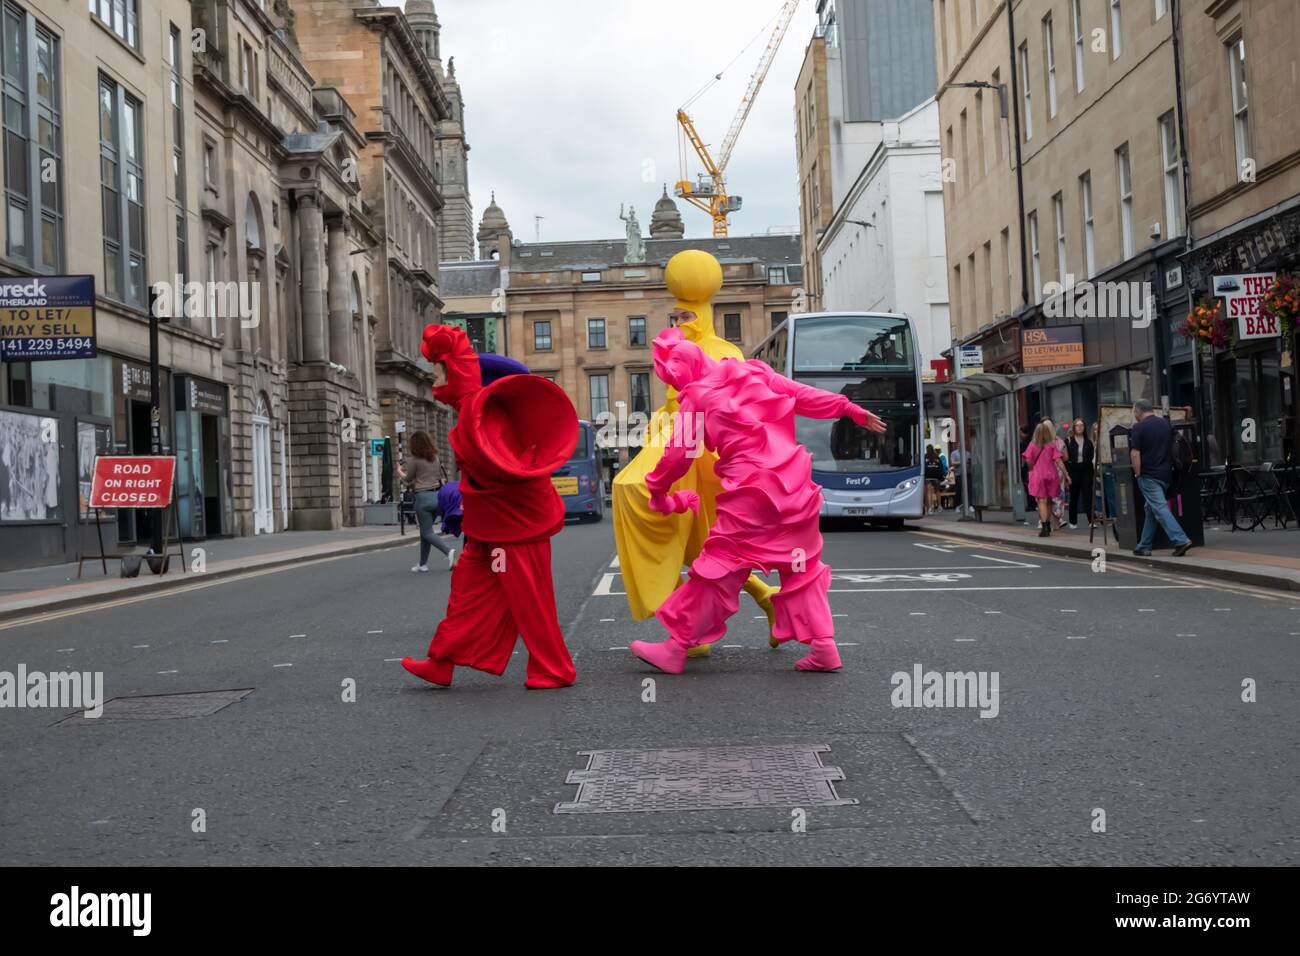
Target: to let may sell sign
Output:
[(138, 481), (1243, 296), (47, 317)]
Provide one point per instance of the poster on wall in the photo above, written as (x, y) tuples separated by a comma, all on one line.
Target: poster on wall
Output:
[(29, 467), (47, 317)]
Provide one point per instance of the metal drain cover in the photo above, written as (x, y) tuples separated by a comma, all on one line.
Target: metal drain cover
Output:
[(708, 778), (163, 706)]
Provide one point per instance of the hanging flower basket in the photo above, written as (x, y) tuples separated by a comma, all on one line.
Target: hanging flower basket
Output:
[(1206, 327), (1283, 303)]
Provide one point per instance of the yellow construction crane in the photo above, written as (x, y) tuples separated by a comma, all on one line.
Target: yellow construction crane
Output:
[(709, 192)]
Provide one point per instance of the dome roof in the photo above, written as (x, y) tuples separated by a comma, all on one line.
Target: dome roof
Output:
[(666, 222), (419, 6), (493, 216)]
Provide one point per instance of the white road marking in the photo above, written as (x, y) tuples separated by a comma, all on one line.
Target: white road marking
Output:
[(1069, 610), (169, 672), (964, 640), (846, 644), (918, 613), (933, 569), (614, 563), (283, 665), (1018, 564), (1146, 610), (760, 617), (374, 632), (605, 587), (66, 650), (139, 647), (839, 615), (1077, 638), (607, 620), (392, 660), (618, 648), (297, 635), (214, 642), (932, 547), (1184, 635), (1038, 587), (1223, 609), (734, 645), (992, 612)]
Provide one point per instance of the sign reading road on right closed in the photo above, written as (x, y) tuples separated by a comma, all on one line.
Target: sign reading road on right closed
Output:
[(137, 481), (1243, 296)]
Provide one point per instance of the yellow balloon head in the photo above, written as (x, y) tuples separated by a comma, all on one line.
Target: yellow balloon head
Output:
[(694, 278)]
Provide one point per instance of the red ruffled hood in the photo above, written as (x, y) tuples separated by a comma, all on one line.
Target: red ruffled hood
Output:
[(450, 345)]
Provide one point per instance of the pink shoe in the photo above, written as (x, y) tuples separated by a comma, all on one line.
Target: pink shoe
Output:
[(669, 657), (434, 671), (824, 656)]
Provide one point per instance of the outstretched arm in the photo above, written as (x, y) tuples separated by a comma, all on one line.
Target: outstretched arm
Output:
[(675, 463), (813, 402)]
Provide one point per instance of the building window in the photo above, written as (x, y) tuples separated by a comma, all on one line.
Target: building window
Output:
[(1240, 114), (1116, 37), (979, 132), (731, 326), (599, 396), (1035, 257), (778, 318), (1049, 64), (1006, 267), (641, 392), (1162, 7), (541, 336), (776, 275), (33, 150), (591, 277), (121, 164), (1076, 24), (120, 16), (1169, 161), (595, 333), (636, 336), (1089, 231), (1024, 85), (213, 264), (1125, 199), (1058, 216), (178, 156)]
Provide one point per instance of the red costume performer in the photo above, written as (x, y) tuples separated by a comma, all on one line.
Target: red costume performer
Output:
[(509, 437)]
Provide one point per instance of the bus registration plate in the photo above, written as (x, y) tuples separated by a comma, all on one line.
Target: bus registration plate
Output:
[(565, 486), (857, 512)]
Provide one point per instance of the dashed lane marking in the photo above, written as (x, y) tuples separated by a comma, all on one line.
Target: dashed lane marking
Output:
[(283, 665), (169, 672)]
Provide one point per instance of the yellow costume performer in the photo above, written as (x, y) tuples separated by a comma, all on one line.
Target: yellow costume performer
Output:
[(652, 548)]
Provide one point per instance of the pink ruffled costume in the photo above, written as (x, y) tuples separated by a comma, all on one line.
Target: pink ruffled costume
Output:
[(768, 508)]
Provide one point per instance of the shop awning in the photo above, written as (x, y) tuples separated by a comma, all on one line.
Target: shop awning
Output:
[(986, 385)]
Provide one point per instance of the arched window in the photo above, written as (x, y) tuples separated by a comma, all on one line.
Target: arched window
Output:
[(252, 223)]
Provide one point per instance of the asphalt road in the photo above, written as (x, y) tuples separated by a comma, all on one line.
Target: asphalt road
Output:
[(1119, 700)]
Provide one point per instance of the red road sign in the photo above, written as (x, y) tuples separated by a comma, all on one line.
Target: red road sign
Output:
[(137, 481)]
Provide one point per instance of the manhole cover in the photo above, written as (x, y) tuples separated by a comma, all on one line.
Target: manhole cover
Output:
[(708, 778), (163, 706)]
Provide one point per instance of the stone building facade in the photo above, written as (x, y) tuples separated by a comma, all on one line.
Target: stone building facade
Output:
[(373, 57), (281, 209)]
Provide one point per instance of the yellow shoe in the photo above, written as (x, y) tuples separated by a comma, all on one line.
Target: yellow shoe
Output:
[(700, 650)]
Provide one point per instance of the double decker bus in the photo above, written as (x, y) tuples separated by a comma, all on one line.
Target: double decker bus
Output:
[(873, 359)]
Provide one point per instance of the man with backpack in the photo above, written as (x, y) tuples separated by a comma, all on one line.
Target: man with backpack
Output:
[(1153, 451)]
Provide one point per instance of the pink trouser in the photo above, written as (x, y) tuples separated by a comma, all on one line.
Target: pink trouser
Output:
[(697, 612)]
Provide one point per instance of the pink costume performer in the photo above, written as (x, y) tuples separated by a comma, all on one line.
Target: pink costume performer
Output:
[(768, 508)]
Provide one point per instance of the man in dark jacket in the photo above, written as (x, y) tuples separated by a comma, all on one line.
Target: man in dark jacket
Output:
[(1151, 449)]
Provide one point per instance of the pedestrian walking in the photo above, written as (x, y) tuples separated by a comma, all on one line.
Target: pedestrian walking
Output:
[(425, 474), (1151, 450), (1046, 473), (1080, 454), (934, 475)]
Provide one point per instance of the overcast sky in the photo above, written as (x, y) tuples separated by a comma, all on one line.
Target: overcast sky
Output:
[(570, 107)]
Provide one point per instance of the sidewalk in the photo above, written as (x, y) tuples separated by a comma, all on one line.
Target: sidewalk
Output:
[(1267, 558), (33, 590)]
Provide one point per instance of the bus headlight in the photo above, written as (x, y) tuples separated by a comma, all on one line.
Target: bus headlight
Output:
[(907, 486)]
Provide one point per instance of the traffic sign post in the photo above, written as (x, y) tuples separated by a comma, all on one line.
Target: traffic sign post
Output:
[(137, 481)]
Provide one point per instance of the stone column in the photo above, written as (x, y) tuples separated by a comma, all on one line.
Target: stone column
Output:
[(311, 229), (340, 312)]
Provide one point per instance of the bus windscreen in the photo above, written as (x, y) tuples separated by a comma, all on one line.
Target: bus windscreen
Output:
[(843, 447), (853, 343)]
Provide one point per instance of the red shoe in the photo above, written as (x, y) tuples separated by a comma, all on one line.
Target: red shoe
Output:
[(433, 670), (669, 657), (546, 683), (824, 656)]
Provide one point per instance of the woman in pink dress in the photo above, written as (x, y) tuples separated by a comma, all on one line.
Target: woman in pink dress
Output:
[(1047, 473)]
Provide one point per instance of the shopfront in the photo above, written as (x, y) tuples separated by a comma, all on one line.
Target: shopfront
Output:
[(1249, 390), (203, 472)]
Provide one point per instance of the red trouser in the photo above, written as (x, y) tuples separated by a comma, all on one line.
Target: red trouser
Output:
[(489, 609)]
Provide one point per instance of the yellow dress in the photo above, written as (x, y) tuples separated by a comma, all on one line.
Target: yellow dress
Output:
[(652, 548)]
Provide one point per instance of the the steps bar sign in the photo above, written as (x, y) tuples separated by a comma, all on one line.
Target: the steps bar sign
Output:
[(47, 317), (1242, 296)]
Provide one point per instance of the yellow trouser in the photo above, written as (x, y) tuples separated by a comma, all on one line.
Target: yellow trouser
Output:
[(652, 547)]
